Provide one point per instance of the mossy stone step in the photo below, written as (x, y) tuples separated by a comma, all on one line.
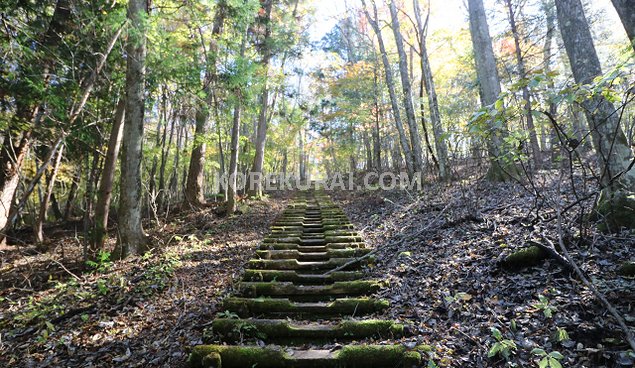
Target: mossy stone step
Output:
[(289, 289), (294, 264), (276, 330), (313, 255), (313, 241), (352, 356), (289, 240), (309, 248), (343, 239), (249, 307), (299, 278)]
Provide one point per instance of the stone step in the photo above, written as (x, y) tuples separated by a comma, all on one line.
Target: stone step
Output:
[(280, 330), (289, 289), (308, 248), (350, 356), (294, 264), (283, 307), (313, 255), (299, 278)]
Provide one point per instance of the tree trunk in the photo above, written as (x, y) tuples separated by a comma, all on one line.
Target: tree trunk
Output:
[(233, 159), (427, 80), (17, 139), (407, 89), (614, 155), (626, 11), (376, 133), (522, 74), (132, 239), (104, 194), (390, 83), (194, 189), (255, 187), (72, 193), (489, 82), (549, 10), (38, 229)]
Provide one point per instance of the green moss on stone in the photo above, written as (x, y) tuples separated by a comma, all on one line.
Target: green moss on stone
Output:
[(237, 357), (627, 269), (282, 330), (527, 257), (378, 356), (274, 306), (292, 276), (616, 210)]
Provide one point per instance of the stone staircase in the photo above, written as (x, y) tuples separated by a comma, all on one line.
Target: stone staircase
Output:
[(306, 314)]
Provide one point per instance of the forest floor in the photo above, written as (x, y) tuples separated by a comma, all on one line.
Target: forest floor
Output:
[(439, 251)]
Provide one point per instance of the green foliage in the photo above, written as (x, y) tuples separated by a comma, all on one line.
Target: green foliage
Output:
[(543, 305), (502, 347), (548, 360), (227, 314), (102, 262), (560, 335)]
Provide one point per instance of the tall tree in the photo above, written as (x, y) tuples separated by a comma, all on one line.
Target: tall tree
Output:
[(18, 135), (390, 83), (255, 187), (626, 11), (132, 239), (194, 189), (406, 85), (104, 194), (522, 74), (614, 155), (431, 91), (489, 84)]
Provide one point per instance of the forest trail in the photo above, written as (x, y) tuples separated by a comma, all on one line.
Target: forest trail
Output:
[(294, 295)]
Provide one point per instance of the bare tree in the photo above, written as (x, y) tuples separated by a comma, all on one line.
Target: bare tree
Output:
[(406, 85), (390, 83), (489, 83), (613, 153), (626, 11), (522, 74), (433, 103)]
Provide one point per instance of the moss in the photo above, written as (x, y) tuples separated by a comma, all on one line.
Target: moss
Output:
[(368, 328), (627, 269), (347, 306), (378, 356), (348, 252), (340, 233), (281, 330), (338, 227), (527, 257), (293, 264), (340, 288), (212, 360), (291, 240), (616, 210), (342, 239), (237, 357), (292, 276)]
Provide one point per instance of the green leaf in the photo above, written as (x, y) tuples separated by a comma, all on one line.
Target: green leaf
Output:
[(496, 333), (494, 350), (49, 326), (556, 355), (553, 363), (539, 352)]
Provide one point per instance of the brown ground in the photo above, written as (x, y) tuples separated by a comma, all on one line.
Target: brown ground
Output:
[(438, 250)]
